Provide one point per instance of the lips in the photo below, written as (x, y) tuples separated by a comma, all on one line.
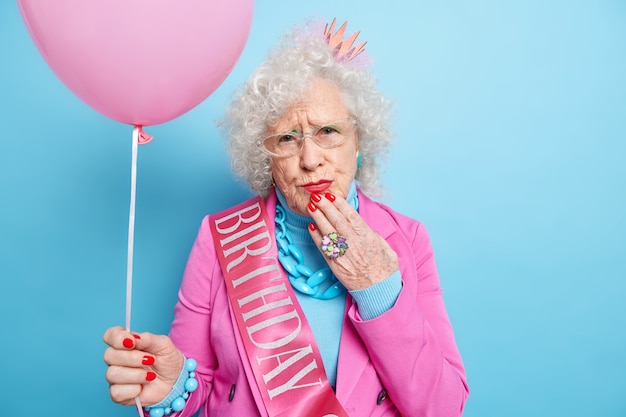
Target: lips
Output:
[(317, 187)]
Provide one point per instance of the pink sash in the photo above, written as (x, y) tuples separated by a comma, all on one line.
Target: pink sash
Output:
[(279, 343)]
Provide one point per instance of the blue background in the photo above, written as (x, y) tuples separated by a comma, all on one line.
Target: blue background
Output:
[(510, 147)]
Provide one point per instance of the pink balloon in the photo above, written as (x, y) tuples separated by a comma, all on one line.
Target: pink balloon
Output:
[(141, 62)]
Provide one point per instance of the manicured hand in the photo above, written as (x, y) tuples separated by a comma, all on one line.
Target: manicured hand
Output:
[(140, 364), (368, 259)]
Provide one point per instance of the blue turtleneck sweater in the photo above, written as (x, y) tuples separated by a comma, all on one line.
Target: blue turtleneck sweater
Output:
[(326, 316)]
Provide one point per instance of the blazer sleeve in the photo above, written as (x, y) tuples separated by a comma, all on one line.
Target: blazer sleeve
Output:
[(412, 345), (190, 330)]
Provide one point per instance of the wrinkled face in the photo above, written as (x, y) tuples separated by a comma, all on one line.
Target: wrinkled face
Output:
[(315, 169)]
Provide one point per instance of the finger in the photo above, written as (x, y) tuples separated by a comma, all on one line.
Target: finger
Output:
[(345, 209), (119, 338), (341, 214), (334, 214), (321, 223), (320, 210), (168, 359), (125, 393), (125, 375), (129, 358), (316, 235), (154, 344)]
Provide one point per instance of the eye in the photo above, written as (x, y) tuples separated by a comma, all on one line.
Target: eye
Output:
[(328, 130), (286, 138)]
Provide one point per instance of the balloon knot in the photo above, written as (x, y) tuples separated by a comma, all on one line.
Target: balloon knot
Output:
[(143, 137)]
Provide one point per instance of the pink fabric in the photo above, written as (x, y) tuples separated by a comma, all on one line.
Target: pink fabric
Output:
[(410, 350)]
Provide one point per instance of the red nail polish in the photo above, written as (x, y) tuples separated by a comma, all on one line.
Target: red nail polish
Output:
[(312, 206), (312, 227), (150, 376), (128, 343), (330, 197), (316, 197), (136, 336), (147, 360)]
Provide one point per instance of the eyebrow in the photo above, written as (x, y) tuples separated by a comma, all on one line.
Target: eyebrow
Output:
[(322, 124)]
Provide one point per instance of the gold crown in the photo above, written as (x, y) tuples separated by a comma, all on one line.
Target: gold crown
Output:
[(343, 49)]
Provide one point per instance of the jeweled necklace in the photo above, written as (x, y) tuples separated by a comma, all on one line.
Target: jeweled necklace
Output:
[(320, 284)]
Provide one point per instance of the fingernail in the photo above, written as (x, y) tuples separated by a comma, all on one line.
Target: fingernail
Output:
[(312, 206), (150, 376), (330, 196), (128, 343), (316, 197), (136, 336), (147, 360), (312, 227)]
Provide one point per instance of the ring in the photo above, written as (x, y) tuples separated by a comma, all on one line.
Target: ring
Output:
[(334, 245)]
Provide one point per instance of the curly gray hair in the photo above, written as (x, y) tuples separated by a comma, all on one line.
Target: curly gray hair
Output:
[(276, 85)]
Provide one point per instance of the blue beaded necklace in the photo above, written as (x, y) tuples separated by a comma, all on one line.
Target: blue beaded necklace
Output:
[(320, 284)]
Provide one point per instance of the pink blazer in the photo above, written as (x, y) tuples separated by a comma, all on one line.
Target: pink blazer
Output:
[(402, 363)]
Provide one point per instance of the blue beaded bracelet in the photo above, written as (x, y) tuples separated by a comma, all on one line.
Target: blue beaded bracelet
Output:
[(191, 384)]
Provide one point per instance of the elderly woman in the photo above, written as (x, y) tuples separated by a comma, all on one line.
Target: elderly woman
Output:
[(312, 299)]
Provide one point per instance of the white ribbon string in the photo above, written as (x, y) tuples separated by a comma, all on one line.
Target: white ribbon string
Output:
[(131, 240), (131, 226)]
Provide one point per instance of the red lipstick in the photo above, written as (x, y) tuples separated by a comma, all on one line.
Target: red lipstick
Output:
[(317, 187)]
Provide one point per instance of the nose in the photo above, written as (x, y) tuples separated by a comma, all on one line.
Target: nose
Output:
[(311, 155)]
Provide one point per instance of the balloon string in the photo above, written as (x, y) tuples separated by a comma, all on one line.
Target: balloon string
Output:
[(139, 408), (131, 240), (131, 227)]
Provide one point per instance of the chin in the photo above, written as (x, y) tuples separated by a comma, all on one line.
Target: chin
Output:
[(300, 206), (339, 193)]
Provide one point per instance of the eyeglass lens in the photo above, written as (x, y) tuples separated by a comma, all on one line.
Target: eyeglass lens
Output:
[(327, 136)]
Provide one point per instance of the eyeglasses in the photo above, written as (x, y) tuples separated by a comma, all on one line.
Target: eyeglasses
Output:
[(329, 135)]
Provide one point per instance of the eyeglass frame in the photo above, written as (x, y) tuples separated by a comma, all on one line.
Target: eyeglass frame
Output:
[(311, 135)]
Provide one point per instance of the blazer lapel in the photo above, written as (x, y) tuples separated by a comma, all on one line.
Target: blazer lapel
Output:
[(353, 358)]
